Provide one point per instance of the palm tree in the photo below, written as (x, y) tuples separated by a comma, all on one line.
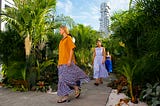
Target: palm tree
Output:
[(138, 29), (85, 39), (30, 18), (128, 72), (130, 3), (85, 36), (64, 20)]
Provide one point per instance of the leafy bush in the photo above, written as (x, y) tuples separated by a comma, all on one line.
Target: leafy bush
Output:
[(151, 94)]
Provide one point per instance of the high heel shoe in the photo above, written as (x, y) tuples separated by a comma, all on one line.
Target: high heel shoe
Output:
[(96, 84), (101, 82), (63, 101)]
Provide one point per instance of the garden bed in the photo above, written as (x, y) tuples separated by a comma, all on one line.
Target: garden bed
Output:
[(114, 100)]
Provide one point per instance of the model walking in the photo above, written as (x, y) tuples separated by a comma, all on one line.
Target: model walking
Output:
[(108, 62), (100, 71), (68, 72)]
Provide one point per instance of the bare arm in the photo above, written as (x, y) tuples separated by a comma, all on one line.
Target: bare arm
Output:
[(104, 55), (94, 54)]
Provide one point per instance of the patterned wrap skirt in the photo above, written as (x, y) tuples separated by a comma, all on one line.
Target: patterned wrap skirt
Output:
[(68, 75)]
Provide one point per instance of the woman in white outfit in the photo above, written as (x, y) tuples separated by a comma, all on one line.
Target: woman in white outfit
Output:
[(99, 64)]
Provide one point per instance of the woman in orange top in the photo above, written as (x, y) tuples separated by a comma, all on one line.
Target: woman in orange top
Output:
[(68, 72)]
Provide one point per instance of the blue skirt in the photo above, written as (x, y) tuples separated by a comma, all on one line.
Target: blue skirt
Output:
[(108, 64), (68, 75)]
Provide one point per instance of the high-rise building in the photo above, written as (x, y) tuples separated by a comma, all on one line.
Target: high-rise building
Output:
[(3, 5), (104, 19)]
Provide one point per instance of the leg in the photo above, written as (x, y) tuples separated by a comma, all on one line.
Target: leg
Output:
[(77, 91), (101, 80), (96, 82), (78, 83)]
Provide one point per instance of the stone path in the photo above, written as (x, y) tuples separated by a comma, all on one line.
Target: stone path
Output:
[(91, 96)]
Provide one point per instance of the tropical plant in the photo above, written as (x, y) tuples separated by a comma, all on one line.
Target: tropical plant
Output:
[(138, 30), (31, 20), (42, 66), (42, 86), (85, 36), (13, 46), (152, 94), (128, 72), (64, 20), (85, 41), (13, 58)]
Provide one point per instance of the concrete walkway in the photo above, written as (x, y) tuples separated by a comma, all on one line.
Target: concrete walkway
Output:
[(91, 96)]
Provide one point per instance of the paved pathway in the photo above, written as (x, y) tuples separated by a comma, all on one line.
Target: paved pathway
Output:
[(91, 96)]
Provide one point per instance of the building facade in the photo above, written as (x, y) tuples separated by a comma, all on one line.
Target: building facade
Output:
[(104, 19), (3, 5)]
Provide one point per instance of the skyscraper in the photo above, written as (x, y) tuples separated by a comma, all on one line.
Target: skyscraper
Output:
[(104, 19)]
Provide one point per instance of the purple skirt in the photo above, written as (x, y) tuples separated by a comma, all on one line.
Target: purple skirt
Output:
[(68, 75)]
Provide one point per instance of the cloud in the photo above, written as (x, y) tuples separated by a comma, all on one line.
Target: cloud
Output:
[(65, 5), (88, 11), (79, 17), (68, 6), (119, 5), (95, 9), (60, 4)]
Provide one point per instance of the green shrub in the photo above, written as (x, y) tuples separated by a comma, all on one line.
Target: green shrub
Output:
[(151, 94)]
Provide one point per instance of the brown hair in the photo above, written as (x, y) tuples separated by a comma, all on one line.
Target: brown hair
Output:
[(98, 41), (65, 29)]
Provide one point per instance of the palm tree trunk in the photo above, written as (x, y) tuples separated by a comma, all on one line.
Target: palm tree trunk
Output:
[(27, 45), (27, 51)]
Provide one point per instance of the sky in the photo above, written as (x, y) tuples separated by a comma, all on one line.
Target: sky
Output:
[(87, 12)]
